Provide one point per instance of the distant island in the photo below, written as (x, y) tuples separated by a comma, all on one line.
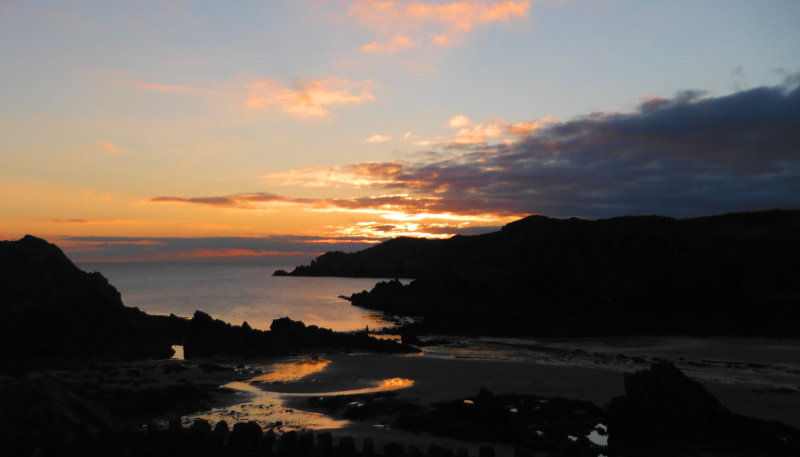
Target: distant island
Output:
[(732, 274)]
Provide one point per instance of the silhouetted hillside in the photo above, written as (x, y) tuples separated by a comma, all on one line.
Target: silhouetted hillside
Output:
[(397, 258), (728, 274), (51, 308)]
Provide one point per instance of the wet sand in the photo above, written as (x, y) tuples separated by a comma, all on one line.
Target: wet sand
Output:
[(758, 378)]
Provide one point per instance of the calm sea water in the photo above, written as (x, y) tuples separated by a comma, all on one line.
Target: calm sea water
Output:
[(238, 293)]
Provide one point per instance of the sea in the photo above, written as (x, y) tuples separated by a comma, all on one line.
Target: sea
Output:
[(240, 293)]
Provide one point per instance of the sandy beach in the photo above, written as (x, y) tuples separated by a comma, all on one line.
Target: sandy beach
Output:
[(758, 378)]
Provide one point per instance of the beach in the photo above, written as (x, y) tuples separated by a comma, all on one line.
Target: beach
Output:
[(757, 378)]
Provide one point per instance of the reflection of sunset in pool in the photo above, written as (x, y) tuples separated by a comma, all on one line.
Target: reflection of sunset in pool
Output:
[(382, 386), (396, 383), (287, 372), (268, 408)]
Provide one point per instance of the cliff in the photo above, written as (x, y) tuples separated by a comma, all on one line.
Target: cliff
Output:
[(732, 274), (50, 308)]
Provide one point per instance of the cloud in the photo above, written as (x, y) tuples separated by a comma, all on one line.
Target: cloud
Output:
[(306, 98), (271, 250), (108, 146), (395, 44), (378, 139), (364, 174), (456, 16), (441, 40), (463, 16), (458, 121), (83, 221), (439, 21), (688, 155)]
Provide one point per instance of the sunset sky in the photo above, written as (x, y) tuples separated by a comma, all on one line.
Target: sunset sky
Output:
[(273, 131)]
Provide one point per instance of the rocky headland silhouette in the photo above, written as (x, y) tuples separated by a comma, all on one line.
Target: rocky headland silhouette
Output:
[(731, 274)]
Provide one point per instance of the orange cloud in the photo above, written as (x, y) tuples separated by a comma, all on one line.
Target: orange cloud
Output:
[(206, 253), (395, 44), (470, 133), (462, 16), (407, 23), (362, 174), (378, 138), (522, 128), (400, 208), (108, 146), (308, 98), (456, 17), (441, 40), (197, 254), (458, 121)]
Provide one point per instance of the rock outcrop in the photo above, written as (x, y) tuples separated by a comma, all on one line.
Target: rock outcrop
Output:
[(665, 413), (50, 308)]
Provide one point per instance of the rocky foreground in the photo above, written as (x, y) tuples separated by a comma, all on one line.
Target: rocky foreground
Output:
[(731, 275), (663, 413)]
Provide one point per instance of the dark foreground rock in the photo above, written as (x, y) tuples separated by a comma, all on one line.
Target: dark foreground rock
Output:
[(50, 308), (664, 413), (243, 439), (640, 275)]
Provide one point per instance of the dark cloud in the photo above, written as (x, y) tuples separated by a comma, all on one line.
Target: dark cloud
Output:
[(689, 155), (272, 250), (685, 156)]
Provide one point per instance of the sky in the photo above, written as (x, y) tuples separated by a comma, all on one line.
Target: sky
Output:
[(273, 131)]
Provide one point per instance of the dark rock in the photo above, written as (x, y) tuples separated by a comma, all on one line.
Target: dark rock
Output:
[(393, 449), (61, 311), (201, 430), (221, 433), (247, 436), (368, 449), (325, 440), (665, 412), (347, 446), (434, 450), (175, 427), (486, 451)]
